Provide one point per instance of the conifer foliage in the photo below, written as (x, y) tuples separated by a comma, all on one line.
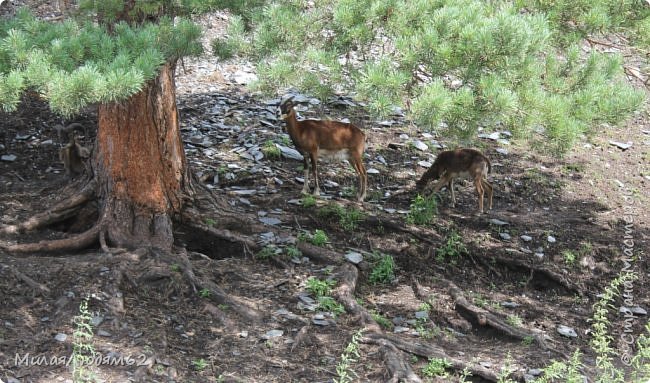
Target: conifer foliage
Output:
[(455, 65)]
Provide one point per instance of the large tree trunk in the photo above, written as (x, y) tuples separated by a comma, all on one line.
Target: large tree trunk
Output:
[(140, 166)]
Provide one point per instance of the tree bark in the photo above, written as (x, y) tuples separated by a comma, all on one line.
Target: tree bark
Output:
[(140, 166)]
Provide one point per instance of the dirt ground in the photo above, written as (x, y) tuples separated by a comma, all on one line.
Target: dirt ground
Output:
[(574, 206)]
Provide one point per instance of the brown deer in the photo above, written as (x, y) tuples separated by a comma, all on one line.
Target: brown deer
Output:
[(452, 164), (316, 138)]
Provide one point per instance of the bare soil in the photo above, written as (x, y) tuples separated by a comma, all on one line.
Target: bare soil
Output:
[(177, 335)]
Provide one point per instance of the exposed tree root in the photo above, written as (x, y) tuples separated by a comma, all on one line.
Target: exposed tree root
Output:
[(59, 212), (344, 293), (319, 254), (424, 235), (77, 242), (30, 282), (540, 271), (432, 351), (481, 317), (399, 368)]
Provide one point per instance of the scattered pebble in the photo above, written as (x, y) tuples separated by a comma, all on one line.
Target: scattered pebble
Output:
[(550, 239), (272, 334), (505, 236), (526, 238), (498, 222), (60, 337)]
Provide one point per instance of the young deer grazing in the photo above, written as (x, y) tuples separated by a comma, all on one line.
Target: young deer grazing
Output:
[(316, 138), (452, 164)]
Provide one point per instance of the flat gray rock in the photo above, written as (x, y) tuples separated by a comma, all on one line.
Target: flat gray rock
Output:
[(354, 257), (8, 157), (621, 145), (567, 331), (273, 334), (290, 152), (637, 310), (270, 221), (419, 145)]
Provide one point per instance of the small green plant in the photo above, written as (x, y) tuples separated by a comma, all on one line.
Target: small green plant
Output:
[(320, 287), (204, 293), (200, 364), (293, 252), (308, 201), (330, 304), (83, 350), (348, 218), (423, 210), (436, 367), (514, 320), (267, 252), (453, 247), (424, 306), (528, 340), (586, 248), (563, 372), (423, 330), (569, 257), (175, 267), (319, 238), (506, 370), (210, 222), (381, 320), (349, 356), (384, 270), (480, 300), (223, 306), (270, 150)]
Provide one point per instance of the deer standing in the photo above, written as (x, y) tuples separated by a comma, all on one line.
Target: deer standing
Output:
[(452, 164), (335, 139)]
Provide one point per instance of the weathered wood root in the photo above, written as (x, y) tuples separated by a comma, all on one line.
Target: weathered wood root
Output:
[(481, 317), (424, 235), (77, 242), (59, 212), (30, 282), (398, 366), (431, 351), (399, 369), (347, 276), (216, 293), (320, 254), (547, 273)]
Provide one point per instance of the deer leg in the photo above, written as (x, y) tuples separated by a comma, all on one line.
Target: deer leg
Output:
[(305, 187), (490, 191), (314, 168), (363, 178), (453, 195), (479, 189)]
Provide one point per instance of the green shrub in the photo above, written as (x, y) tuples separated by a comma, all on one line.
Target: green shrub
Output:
[(384, 270), (423, 210), (453, 248)]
